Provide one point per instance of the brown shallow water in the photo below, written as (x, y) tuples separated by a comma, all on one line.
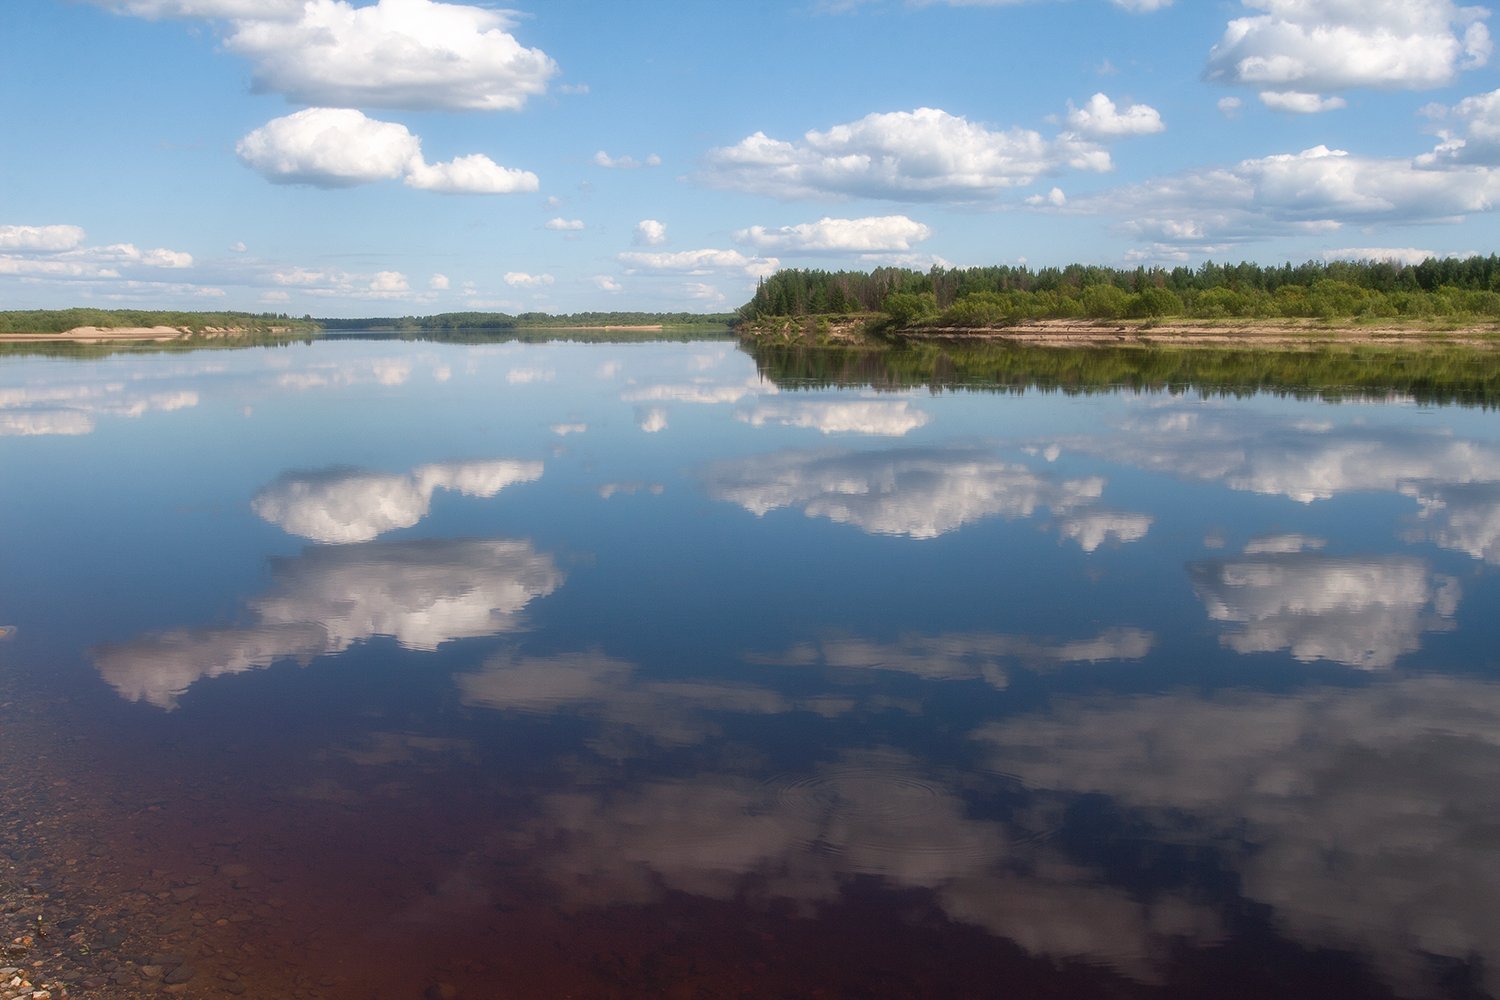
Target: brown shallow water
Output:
[(268, 890)]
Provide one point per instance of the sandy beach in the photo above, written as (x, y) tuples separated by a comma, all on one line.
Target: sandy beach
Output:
[(1280, 335), (131, 334)]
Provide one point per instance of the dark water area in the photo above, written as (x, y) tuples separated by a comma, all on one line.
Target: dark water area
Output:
[(388, 669)]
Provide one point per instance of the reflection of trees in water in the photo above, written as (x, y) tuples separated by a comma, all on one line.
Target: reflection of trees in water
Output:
[(1434, 375)]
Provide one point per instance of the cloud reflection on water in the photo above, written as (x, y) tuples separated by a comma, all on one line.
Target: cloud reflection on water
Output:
[(629, 706), (1363, 817), (1093, 528), (876, 418), (342, 506), (805, 836), (420, 593), (916, 492), (874, 811), (70, 409), (1359, 611), (962, 657), (1464, 518), (1300, 459)]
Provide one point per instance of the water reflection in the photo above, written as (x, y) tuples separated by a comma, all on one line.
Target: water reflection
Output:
[(1283, 543), (1091, 529), (883, 419), (875, 811), (1363, 817), (1305, 459), (71, 409), (341, 506), (916, 492), (801, 727), (701, 391), (1363, 612), (962, 657), (420, 593), (1464, 518), (392, 371), (614, 693)]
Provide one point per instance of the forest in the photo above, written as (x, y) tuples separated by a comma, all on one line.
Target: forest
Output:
[(1437, 288)]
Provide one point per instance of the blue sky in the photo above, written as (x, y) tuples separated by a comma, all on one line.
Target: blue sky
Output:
[(359, 158)]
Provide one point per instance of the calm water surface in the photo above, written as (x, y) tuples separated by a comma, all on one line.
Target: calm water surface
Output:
[(376, 669)]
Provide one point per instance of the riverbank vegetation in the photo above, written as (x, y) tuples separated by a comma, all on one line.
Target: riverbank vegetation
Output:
[(63, 321), (1433, 377), (1437, 291)]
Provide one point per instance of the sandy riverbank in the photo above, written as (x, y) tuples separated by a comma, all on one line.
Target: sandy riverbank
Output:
[(1278, 335), (133, 334), (1287, 335)]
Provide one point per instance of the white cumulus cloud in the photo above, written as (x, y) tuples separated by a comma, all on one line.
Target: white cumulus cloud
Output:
[(874, 234), (409, 54), (343, 284), (650, 233), (562, 225), (1300, 49), (330, 147), (1401, 255), (58, 253), (922, 155), (603, 159), (339, 147), (40, 238), (520, 279), (154, 9), (1299, 103), (1315, 191), (1101, 118), (1477, 136), (472, 174), (701, 262)]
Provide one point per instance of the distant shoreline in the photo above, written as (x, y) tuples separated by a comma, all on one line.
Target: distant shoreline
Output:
[(640, 327), (1286, 334), (142, 334)]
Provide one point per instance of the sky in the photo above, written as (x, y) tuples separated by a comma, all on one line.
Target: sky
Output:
[(341, 158)]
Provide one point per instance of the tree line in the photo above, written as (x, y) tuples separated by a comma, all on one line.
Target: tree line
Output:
[(63, 320), (999, 295), (495, 321)]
